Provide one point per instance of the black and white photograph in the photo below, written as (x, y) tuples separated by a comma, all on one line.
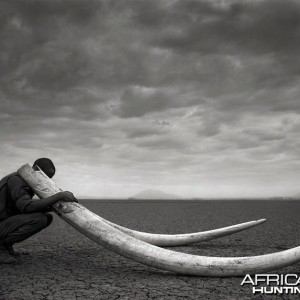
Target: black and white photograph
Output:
[(150, 149)]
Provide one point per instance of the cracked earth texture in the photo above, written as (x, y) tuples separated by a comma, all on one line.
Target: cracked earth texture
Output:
[(60, 263)]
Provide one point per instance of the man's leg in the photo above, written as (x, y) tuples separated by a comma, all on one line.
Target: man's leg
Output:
[(20, 227)]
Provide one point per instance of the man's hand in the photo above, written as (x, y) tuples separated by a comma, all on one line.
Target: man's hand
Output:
[(67, 196)]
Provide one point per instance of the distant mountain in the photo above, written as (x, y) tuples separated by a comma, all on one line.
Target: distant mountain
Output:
[(154, 194)]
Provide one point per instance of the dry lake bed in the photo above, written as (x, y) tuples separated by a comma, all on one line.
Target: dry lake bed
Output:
[(60, 263)]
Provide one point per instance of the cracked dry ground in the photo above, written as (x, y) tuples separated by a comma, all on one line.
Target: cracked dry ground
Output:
[(60, 263)]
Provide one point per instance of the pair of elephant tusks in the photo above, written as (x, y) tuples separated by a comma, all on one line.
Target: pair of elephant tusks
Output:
[(104, 234)]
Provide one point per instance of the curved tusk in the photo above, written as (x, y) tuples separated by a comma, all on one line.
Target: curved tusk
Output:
[(93, 227), (90, 225), (165, 240)]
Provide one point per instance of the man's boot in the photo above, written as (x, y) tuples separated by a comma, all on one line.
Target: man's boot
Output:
[(5, 257), (12, 251)]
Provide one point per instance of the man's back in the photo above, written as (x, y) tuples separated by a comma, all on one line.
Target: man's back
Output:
[(15, 194)]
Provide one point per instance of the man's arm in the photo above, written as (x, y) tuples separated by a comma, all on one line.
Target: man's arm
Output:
[(43, 204), (21, 195)]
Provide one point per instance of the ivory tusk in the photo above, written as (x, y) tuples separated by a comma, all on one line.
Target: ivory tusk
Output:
[(93, 227), (171, 240)]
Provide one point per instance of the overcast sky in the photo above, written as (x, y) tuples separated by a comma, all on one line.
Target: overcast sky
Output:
[(194, 98)]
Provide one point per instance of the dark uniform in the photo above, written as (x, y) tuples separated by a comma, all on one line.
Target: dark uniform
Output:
[(15, 224)]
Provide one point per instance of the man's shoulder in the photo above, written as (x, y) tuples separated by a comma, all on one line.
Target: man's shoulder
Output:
[(16, 183), (4, 180), (15, 179)]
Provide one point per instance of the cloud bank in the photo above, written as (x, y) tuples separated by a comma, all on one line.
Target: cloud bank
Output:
[(200, 98)]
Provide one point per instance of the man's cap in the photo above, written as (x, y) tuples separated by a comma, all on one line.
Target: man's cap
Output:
[(46, 165)]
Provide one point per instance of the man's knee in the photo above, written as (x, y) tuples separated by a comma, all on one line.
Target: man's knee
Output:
[(49, 219), (20, 227), (42, 220)]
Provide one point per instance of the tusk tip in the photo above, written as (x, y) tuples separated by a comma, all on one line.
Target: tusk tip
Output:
[(261, 221)]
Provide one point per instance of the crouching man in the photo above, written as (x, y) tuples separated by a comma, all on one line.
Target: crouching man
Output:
[(20, 216)]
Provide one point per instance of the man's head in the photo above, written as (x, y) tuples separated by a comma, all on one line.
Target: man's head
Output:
[(46, 165)]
